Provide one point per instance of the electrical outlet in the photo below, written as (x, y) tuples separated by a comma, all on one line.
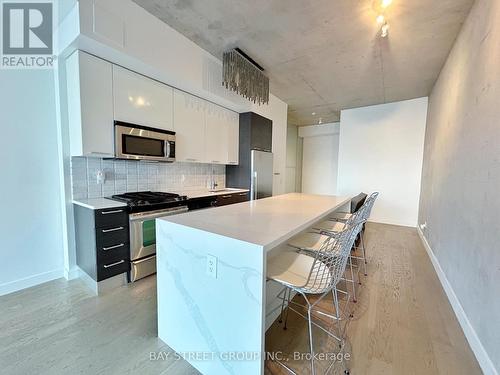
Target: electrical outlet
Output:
[(212, 266), (100, 177)]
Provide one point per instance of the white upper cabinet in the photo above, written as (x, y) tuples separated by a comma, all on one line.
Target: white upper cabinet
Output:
[(233, 128), (141, 100), (100, 92), (217, 134), (189, 120), (90, 105)]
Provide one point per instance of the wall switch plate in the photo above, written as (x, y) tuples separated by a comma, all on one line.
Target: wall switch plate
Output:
[(211, 266)]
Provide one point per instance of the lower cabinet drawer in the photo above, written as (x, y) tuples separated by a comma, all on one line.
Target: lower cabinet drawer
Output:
[(116, 267), (241, 197), (111, 217), (111, 236), (113, 252), (223, 200)]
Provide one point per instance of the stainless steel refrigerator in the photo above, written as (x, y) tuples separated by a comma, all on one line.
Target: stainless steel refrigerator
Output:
[(261, 171)]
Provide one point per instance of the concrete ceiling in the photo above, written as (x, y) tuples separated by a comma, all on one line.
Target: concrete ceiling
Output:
[(326, 55)]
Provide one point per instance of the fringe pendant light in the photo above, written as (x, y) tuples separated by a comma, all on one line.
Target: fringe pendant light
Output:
[(244, 76)]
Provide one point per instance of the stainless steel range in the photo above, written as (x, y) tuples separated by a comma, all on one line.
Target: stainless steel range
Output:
[(144, 207)]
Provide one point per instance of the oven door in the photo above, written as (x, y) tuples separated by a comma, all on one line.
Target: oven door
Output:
[(143, 231), (143, 143)]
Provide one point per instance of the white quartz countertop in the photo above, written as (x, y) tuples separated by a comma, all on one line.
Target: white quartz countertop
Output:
[(103, 203), (99, 203), (266, 222), (206, 193)]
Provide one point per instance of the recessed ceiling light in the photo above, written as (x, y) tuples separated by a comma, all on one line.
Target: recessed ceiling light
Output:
[(386, 3), (380, 19), (314, 113)]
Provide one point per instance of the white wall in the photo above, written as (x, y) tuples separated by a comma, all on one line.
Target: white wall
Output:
[(320, 158), (460, 198), (381, 149), (30, 224)]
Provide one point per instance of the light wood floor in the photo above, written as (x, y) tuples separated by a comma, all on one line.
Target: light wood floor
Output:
[(402, 324)]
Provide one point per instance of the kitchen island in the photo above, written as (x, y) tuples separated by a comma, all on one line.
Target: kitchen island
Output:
[(212, 294)]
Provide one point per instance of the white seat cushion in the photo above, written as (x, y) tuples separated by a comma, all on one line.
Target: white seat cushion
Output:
[(293, 269), (308, 241), (330, 225)]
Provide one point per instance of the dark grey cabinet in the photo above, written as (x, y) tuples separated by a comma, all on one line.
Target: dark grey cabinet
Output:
[(102, 241), (224, 200), (256, 132)]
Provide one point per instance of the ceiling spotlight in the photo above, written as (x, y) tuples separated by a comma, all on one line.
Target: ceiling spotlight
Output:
[(314, 113), (380, 19), (386, 3), (385, 30), (320, 121)]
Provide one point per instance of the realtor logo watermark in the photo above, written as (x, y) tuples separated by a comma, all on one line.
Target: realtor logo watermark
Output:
[(27, 34)]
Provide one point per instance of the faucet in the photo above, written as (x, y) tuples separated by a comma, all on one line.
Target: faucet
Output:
[(213, 184)]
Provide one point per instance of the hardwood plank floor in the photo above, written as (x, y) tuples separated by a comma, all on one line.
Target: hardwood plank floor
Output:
[(402, 324)]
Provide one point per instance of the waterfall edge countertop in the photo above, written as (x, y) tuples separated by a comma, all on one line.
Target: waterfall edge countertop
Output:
[(211, 277), (265, 222)]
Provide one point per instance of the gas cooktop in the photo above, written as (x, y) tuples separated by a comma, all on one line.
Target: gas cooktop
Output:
[(150, 200)]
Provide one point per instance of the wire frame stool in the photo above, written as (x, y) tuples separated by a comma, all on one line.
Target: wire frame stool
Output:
[(366, 211), (327, 269)]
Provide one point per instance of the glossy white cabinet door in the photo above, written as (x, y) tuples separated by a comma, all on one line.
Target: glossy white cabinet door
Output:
[(90, 105), (189, 123), (233, 128), (141, 100), (216, 134)]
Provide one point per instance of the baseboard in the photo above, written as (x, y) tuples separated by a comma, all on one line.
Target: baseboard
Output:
[(72, 273), (474, 342), (385, 222), (30, 281)]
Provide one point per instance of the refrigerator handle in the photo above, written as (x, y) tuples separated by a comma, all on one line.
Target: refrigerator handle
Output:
[(255, 185)]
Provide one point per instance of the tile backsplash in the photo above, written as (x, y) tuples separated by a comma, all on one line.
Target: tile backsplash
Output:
[(128, 176)]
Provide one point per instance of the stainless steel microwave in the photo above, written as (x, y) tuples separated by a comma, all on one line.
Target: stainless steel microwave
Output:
[(143, 143)]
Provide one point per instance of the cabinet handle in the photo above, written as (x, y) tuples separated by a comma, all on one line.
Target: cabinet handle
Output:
[(242, 194), (100, 154), (112, 230), (111, 212), (233, 162), (276, 174), (226, 196), (114, 264), (113, 247), (215, 161), (191, 159)]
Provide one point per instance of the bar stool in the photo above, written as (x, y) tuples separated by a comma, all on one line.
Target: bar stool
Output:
[(356, 203), (317, 275), (334, 225), (311, 242), (342, 217)]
